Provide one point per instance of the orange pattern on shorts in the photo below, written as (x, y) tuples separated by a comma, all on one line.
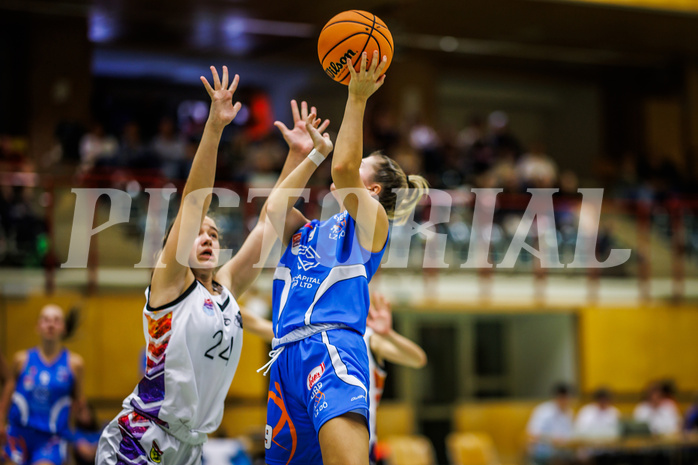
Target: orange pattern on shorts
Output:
[(283, 419)]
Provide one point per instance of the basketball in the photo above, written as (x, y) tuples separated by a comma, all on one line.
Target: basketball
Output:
[(347, 36)]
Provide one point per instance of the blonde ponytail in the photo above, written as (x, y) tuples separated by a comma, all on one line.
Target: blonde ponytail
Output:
[(417, 187), (399, 193)]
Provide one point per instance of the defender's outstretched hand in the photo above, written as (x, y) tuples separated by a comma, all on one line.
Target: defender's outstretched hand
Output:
[(222, 109), (298, 138), (321, 142), (385, 343), (380, 315)]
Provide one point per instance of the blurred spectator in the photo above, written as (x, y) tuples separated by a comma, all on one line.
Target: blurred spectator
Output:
[(471, 134), (691, 419), (86, 436), (132, 151), (97, 148), (66, 146), (13, 149), (627, 179), (666, 179), (28, 224), (536, 168), (192, 145), (453, 168), (425, 140), (22, 226), (501, 139), (659, 410), (383, 132), (169, 147), (407, 158), (551, 425), (266, 158), (599, 419), (504, 174), (479, 159), (423, 137)]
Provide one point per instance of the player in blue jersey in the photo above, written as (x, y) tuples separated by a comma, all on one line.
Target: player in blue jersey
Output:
[(38, 399), (318, 406)]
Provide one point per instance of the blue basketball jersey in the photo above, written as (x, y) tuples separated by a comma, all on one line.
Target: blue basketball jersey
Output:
[(42, 398), (323, 277)]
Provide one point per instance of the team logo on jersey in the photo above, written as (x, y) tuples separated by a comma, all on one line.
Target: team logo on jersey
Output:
[(62, 374), (44, 378), (307, 257), (28, 380), (307, 282), (295, 243), (208, 307), (319, 398), (338, 230), (315, 375), (155, 453)]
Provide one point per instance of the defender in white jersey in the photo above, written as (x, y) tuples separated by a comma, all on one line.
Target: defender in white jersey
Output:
[(191, 321), (385, 344)]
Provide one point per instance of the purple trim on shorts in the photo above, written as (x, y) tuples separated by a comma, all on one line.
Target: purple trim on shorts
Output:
[(129, 447), (150, 412), (122, 461)]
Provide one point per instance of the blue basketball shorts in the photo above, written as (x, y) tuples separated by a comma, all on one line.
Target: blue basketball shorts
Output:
[(313, 380), (25, 446)]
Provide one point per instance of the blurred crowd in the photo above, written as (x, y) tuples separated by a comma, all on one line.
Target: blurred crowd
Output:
[(485, 152), (555, 432)]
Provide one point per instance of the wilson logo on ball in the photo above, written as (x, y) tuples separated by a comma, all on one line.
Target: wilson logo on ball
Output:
[(348, 35), (335, 67)]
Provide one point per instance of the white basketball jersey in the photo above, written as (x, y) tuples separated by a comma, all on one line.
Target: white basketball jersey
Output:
[(377, 377), (194, 346)]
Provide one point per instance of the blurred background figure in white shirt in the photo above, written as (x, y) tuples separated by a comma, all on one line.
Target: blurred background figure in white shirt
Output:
[(551, 426), (598, 419), (659, 410)]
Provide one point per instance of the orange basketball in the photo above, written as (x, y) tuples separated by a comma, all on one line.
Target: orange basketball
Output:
[(348, 35)]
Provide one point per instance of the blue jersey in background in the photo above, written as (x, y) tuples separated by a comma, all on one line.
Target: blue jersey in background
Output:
[(42, 397)]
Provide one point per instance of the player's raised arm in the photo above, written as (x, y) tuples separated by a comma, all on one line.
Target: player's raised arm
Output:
[(386, 343), (347, 165), (285, 195), (170, 281), (240, 272)]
